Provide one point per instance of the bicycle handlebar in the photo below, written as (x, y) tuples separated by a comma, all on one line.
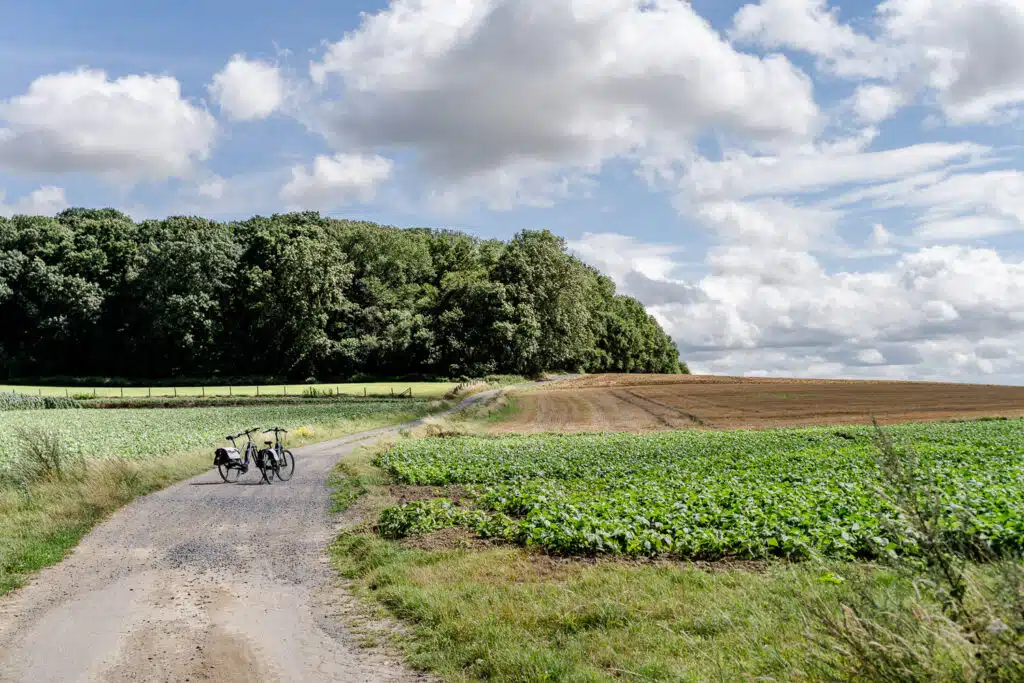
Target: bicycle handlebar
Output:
[(275, 430)]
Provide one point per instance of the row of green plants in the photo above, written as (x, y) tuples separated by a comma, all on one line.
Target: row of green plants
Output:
[(794, 493), (16, 401)]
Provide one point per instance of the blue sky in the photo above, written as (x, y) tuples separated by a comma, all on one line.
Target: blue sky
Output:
[(790, 186)]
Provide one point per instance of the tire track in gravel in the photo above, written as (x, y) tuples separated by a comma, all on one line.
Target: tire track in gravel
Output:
[(201, 581)]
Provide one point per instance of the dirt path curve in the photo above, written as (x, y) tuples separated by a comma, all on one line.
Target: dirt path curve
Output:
[(200, 581)]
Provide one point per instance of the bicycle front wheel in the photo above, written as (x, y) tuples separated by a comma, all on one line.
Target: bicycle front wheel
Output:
[(265, 463), (286, 466)]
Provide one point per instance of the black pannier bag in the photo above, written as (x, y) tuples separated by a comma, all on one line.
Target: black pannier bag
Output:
[(223, 456)]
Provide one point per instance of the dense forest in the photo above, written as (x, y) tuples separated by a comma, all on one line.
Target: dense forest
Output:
[(93, 293)]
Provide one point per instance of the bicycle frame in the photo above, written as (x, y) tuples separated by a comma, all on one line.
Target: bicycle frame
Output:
[(249, 449)]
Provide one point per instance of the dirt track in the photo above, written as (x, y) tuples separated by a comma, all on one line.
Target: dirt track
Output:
[(201, 581), (659, 402)]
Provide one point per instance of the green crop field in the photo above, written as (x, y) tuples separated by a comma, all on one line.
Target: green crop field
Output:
[(143, 433), (419, 389), (753, 494)]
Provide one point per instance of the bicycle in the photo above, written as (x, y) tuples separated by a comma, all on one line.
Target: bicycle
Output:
[(282, 462), (231, 464)]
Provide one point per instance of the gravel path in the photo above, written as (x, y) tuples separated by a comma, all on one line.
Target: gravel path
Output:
[(200, 581)]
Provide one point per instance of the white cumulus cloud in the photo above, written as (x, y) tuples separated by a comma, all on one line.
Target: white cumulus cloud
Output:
[(212, 188), (44, 201), (133, 127), (874, 103), (512, 99), (247, 90), (966, 58), (971, 54), (333, 181), (780, 312), (813, 27)]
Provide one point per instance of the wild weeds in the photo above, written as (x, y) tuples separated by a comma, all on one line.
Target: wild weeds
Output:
[(962, 622), (44, 456)]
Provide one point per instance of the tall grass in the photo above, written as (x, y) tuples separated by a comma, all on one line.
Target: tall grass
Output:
[(965, 621), (54, 496), (44, 457)]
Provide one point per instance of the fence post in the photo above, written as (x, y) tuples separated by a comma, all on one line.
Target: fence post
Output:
[(175, 392), (229, 390), (94, 392), (65, 392), (285, 387), (257, 389), (364, 392), (149, 392), (122, 392), (40, 391), (203, 389)]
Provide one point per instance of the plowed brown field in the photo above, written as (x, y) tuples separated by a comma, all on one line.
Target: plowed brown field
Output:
[(658, 402)]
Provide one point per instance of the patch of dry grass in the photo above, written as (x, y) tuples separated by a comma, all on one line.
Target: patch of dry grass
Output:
[(41, 521)]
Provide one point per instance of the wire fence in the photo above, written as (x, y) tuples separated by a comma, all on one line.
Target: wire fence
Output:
[(405, 390)]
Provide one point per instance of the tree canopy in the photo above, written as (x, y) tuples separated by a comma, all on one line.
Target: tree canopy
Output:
[(91, 292)]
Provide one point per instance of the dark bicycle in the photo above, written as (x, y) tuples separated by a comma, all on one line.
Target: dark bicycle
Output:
[(276, 457), (232, 464)]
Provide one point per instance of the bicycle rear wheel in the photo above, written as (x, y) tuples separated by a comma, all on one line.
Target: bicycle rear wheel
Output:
[(286, 466), (229, 474)]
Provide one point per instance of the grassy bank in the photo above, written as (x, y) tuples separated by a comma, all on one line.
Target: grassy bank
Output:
[(50, 497), (507, 615)]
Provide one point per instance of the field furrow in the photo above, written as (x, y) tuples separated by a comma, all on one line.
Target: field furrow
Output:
[(643, 403)]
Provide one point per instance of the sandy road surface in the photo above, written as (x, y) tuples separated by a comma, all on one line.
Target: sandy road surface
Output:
[(200, 581)]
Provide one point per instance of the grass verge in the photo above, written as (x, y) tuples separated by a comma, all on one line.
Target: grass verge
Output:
[(474, 420), (41, 523), (504, 614)]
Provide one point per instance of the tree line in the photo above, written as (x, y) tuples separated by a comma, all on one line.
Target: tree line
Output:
[(90, 292)]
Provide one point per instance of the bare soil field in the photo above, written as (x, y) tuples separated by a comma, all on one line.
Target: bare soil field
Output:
[(638, 403)]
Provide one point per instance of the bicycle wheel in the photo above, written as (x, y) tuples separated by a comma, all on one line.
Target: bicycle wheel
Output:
[(286, 466), (266, 466), (229, 474)]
